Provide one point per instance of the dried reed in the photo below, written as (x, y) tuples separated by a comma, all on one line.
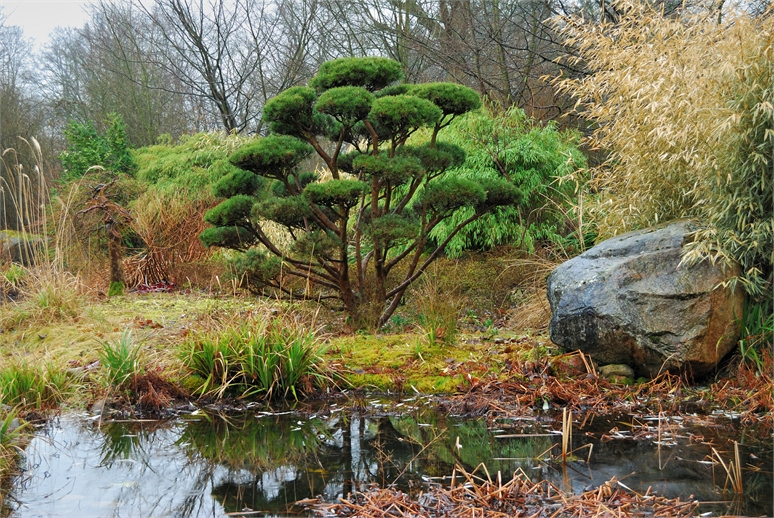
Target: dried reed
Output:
[(479, 495), (48, 290), (566, 433), (733, 470)]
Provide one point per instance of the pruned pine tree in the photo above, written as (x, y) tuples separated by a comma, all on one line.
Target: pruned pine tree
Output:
[(361, 234)]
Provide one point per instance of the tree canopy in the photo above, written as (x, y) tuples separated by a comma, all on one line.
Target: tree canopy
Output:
[(372, 205)]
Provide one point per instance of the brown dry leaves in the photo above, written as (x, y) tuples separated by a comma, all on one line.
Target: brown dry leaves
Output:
[(480, 496), (750, 393)]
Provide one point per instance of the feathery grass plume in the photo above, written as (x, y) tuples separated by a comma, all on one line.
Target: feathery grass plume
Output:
[(48, 291), (684, 106)]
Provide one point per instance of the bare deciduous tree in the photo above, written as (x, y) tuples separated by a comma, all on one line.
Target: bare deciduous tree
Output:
[(103, 68), (21, 120)]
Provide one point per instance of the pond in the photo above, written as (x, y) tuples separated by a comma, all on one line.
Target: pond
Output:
[(258, 462)]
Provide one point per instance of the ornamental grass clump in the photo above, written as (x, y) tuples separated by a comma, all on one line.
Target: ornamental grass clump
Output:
[(684, 106), (33, 387), (44, 290), (121, 361), (12, 436), (276, 359), (438, 308)]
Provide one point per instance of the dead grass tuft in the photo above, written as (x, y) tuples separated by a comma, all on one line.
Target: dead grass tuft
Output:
[(153, 393), (48, 294), (169, 224)]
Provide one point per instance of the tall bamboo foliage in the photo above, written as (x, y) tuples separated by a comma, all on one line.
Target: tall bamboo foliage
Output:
[(684, 106)]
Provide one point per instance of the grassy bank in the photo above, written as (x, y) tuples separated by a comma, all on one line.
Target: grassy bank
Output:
[(474, 330)]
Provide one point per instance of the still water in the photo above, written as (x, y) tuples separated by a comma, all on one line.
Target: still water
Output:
[(258, 463)]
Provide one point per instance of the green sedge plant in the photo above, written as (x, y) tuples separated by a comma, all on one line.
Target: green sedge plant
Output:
[(270, 360), (120, 360), (33, 387), (11, 437), (757, 333)]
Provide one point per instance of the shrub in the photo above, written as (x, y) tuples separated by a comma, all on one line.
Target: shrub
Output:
[(87, 148), (545, 166), (684, 106), (168, 215), (190, 165)]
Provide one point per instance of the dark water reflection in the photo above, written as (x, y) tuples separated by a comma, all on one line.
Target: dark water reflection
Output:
[(212, 465)]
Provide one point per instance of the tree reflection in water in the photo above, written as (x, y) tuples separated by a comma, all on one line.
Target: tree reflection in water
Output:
[(212, 464)]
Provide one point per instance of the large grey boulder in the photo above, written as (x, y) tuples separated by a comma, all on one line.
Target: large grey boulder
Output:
[(629, 300)]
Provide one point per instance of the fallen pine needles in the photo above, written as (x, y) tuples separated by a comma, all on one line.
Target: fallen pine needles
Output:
[(480, 496), (750, 394)]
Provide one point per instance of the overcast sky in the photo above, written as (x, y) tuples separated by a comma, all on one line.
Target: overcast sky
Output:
[(39, 17)]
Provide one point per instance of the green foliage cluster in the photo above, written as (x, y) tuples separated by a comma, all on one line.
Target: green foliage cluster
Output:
[(271, 360), (116, 289), (191, 165), (87, 148), (30, 386), (377, 201), (508, 150), (684, 105), (12, 436), (373, 73), (757, 334)]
